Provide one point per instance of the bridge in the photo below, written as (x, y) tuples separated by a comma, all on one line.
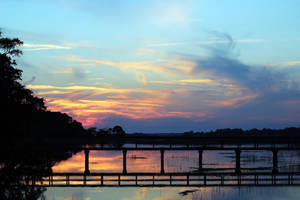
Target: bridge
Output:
[(167, 179), (202, 177), (238, 148)]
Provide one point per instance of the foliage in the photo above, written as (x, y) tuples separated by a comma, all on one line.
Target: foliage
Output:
[(115, 131), (26, 115), (250, 132)]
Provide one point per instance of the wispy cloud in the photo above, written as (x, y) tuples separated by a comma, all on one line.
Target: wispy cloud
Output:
[(208, 42), (177, 66), (76, 73), (184, 82), (92, 104), (234, 102), (141, 77), (80, 44), (215, 89), (30, 81), (201, 82), (37, 47), (286, 64), (47, 46)]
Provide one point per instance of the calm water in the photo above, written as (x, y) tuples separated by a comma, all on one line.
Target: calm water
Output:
[(175, 161)]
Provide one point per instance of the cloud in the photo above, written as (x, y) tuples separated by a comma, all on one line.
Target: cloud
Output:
[(190, 92), (94, 105), (76, 73), (235, 102), (222, 64), (286, 64), (141, 77), (80, 44), (30, 81), (222, 67), (226, 85), (64, 46), (185, 82), (201, 83), (208, 42), (177, 66), (38, 47)]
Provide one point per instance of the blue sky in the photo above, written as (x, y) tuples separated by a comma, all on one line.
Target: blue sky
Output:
[(162, 66)]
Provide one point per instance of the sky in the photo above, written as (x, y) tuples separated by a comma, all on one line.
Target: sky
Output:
[(162, 66)]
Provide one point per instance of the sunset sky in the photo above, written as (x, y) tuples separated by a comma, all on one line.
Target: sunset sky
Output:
[(162, 66)]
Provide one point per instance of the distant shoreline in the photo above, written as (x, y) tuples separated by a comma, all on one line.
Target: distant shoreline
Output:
[(166, 140)]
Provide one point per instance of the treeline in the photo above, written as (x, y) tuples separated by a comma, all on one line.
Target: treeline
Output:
[(115, 131), (24, 115), (251, 132)]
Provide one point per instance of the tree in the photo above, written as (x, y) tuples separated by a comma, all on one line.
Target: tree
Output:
[(12, 91), (25, 114), (118, 130)]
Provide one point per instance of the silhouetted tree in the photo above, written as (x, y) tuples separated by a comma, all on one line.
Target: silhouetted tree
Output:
[(118, 130), (12, 91), (92, 131), (23, 113)]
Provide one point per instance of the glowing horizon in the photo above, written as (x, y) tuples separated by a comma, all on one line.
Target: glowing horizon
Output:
[(153, 66)]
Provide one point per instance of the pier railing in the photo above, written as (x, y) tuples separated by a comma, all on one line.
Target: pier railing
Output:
[(167, 179), (202, 177)]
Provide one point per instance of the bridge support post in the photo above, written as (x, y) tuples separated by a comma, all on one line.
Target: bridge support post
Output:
[(162, 158), (238, 161), (124, 161), (275, 161), (86, 152), (200, 159)]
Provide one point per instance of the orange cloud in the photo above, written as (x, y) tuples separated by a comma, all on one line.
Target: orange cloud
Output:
[(178, 66), (86, 110), (233, 102), (91, 105)]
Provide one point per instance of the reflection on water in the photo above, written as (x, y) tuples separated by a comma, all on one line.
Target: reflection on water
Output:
[(175, 161), (22, 165), (212, 193), (178, 161)]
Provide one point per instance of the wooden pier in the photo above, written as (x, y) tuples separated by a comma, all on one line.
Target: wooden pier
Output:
[(201, 177), (167, 179), (200, 149)]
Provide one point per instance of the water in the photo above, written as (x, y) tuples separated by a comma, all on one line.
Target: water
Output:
[(178, 161), (180, 168), (214, 193)]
